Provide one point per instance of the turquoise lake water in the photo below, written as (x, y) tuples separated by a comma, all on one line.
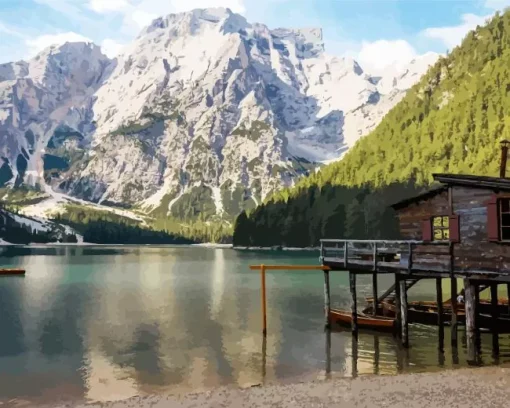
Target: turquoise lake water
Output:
[(106, 323)]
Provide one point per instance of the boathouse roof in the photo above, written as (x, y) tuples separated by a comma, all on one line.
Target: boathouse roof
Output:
[(465, 180)]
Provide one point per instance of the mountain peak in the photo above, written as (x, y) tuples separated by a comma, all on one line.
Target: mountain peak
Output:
[(190, 22)]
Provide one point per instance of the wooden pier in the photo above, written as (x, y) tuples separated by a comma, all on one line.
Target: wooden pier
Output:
[(457, 230), (460, 229)]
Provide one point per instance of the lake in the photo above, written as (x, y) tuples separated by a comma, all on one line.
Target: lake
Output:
[(105, 323)]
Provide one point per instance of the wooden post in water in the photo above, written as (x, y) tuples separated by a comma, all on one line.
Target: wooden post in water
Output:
[(454, 324), (440, 316), (263, 281), (508, 296), (328, 352), (354, 306), (495, 315), (469, 292), (397, 306), (374, 281), (403, 308), (327, 300)]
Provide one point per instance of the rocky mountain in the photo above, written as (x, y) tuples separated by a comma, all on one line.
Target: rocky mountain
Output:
[(204, 113)]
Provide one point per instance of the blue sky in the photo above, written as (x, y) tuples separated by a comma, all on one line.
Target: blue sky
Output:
[(376, 32)]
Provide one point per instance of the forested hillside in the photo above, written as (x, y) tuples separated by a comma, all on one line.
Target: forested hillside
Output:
[(450, 121)]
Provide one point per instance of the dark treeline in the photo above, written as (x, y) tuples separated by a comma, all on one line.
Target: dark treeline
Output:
[(326, 212), (101, 227), (20, 233)]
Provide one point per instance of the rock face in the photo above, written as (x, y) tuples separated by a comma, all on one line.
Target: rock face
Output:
[(203, 114)]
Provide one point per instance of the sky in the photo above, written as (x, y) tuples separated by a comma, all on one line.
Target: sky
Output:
[(377, 33)]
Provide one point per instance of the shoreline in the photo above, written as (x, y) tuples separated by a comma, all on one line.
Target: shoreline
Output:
[(461, 387)]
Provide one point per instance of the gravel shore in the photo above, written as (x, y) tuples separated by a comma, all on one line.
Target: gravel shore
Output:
[(462, 388)]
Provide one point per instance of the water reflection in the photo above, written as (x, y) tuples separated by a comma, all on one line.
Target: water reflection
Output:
[(106, 324)]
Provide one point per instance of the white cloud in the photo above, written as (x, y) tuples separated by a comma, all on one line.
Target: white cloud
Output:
[(4, 28), (497, 4), (111, 48), (377, 55), (453, 35), (38, 44), (106, 6)]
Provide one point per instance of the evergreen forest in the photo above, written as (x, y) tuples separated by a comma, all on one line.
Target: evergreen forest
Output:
[(450, 122)]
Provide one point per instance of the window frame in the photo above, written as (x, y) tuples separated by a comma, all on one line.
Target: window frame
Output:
[(500, 214)]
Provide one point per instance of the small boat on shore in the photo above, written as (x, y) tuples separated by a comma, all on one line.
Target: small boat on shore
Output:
[(12, 271), (379, 323)]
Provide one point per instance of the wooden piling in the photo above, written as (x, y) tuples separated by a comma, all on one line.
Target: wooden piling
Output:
[(440, 316), (327, 300), (397, 306), (454, 322), (328, 352), (263, 285), (374, 282), (495, 315), (376, 355), (403, 308), (469, 293), (508, 296), (354, 322)]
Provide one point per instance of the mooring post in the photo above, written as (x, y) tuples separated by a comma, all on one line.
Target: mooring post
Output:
[(374, 281), (328, 352), (397, 306), (327, 300), (454, 323), (440, 316), (469, 293), (264, 358), (495, 316), (354, 306), (376, 355), (263, 281), (403, 308)]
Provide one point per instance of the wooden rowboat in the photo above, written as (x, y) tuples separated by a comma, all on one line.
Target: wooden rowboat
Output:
[(12, 271), (380, 323)]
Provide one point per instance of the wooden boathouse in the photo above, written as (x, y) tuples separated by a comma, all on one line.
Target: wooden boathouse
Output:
[(459, 229)]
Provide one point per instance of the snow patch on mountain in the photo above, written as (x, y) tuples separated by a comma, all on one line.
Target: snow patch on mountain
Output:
[(202, 109)]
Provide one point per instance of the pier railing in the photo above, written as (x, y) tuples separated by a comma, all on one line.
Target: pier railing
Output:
[(387, 256)]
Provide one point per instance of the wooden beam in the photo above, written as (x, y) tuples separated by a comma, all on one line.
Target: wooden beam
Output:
[(327, 300), (397, 306), (263, 300), (469, 291), (374, 282), (354, 311), (440, 316), (403, 308), (495, 315), (454, 322), (508, 296), (291, 267)]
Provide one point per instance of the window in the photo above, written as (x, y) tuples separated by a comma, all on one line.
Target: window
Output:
[(504, 218), (498, 219), (441, 228)]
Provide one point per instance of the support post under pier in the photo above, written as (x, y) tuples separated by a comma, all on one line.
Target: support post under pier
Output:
[(470, 304), (495, 316), (354, 306), (403, 308), (440, 316), (327, 301), (397, 306), (454, 324)]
